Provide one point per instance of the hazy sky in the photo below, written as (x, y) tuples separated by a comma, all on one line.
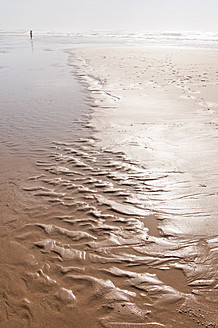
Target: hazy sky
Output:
[(132, 15)]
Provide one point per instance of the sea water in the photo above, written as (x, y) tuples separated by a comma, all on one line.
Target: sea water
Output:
[(40, 97)]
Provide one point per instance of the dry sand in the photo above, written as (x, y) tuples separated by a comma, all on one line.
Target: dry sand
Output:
[(119, 229)]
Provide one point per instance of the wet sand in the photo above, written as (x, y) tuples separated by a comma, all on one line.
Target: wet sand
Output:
[(114, 225), (159, 107)]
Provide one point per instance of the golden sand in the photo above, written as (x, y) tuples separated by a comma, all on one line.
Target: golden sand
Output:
[(118, 229)]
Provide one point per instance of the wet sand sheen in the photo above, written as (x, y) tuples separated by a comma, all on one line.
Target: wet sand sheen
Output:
[(173, 129), (90, 238)]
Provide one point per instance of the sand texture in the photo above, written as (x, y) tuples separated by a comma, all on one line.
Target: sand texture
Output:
[(159, 107), (116, 226)]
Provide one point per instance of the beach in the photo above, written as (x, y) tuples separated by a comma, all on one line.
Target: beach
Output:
[(109, 189), (159, 107)]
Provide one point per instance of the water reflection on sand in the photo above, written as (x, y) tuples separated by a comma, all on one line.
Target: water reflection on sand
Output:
[(82, 243)]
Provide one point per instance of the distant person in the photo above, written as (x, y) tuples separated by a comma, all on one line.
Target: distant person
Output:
[(31, 34)]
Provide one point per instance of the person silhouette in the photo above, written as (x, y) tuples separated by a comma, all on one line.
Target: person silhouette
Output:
[(31, 34)]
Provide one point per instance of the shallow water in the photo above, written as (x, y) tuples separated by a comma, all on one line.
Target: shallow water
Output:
[(78, 248), (39, 95)]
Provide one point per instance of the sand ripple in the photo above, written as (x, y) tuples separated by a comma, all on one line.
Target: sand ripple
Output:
[(102, 240), (91, 245)]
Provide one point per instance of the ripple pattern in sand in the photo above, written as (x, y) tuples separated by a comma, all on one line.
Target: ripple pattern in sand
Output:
[(93, 245)]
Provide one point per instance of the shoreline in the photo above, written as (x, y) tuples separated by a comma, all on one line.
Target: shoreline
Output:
[(174, 148), (147, 103), (86, 224)]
